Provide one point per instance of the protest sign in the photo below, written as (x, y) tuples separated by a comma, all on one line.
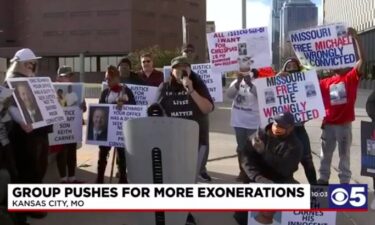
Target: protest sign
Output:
[(368, 148), (105, 123), (324, 47), (210, 78), (298, 93), (5, 93), (36, 98), (239, 49), (70, 96), (144, 95), (306, 217)]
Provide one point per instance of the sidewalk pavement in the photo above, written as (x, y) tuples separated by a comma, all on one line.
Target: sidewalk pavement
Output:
[(222, 166)]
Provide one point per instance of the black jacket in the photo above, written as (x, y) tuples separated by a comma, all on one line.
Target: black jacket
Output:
[(273, 162), (370, 106)]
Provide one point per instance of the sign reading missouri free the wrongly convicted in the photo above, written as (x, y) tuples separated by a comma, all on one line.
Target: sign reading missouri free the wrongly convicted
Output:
[(324, 47), (239, 49), (298, 93)]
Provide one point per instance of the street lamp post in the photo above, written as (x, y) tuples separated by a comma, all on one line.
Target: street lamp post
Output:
[(243, 14)]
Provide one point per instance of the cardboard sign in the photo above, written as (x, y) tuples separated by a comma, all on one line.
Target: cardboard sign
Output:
[(245, 49), (324, 47), (36, 98), (210, 78), (70, 96), (368, 149), (105, 123), (306, 217), (298, 93), (144, 95)]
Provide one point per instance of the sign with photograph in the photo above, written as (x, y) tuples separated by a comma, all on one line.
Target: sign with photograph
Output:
[(144, 95), (324, 47), (37, 100), (298, 93), (239, 49), (70, 96), (306, 217), (368, 148), (105, 123)]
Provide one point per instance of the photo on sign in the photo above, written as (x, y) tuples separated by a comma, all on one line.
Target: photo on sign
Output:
[(310, 90), (264, 217), (341, 30), (242, 49), (269, 96), (27, 101), (69, 94), (98, 124), (371, 147), (337, 93)]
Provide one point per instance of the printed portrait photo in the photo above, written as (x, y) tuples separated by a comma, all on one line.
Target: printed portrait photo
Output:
[(69, 94), (264, 217), (269, 96), (370, 147), (27, 102), (337, 93), (310, 90), (98, 123), (242, 49)]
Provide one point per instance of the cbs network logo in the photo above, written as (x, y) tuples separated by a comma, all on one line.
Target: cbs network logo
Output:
[(348, 196)]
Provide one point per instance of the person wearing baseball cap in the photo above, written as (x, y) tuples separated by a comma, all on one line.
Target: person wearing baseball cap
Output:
[(31, 153), (272, 155)]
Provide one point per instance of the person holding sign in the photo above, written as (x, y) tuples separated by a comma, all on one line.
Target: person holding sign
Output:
[(67, 156), (148, 74), (186, 96), (114, 94), (126, 75), (370, 109), (272, 155), (245, 111), (339, 94), (292, 65), (31, 153)]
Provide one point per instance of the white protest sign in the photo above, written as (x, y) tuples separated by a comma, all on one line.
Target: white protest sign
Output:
[(144, 95), (5, 93), (245, 49), (266, 217), (306, 217), (70, 96), (105, 123), (167, 72), (298, 93), (36, 98), (324, 47), (69, 131), (211, 79)]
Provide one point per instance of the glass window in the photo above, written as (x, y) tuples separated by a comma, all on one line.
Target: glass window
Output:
[(77, 64), (94, 67)]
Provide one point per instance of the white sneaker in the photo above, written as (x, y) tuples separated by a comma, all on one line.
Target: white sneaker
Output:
[(372, 206)]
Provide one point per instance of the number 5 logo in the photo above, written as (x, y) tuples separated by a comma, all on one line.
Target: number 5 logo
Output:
[(358, 196), (348, 196)]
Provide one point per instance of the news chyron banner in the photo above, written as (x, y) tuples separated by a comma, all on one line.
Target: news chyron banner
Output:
[(324, 47), (210, 78), (239, 49), (184, 197), (298, 93)]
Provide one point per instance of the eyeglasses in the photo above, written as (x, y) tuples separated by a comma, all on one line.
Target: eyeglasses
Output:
[(146, 61)]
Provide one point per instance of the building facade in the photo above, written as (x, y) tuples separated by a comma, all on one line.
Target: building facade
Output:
[(295, 14), (359, 15), (275, 20), (103, 31)]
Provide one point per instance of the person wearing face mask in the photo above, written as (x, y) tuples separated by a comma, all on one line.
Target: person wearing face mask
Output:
[(271, 155), (186, 96), (292, 65), (119, 94), (339, 93), (30, 145), (245, 111)]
